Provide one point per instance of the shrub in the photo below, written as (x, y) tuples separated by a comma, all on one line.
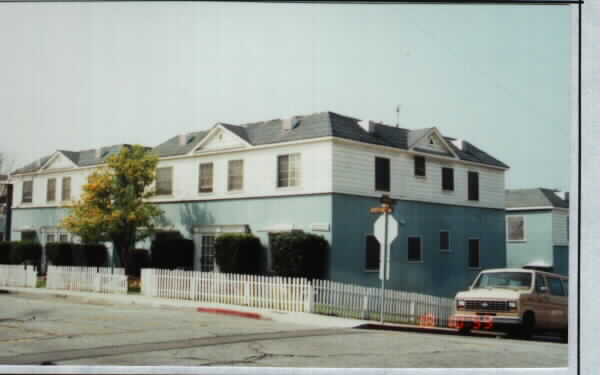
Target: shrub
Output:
[(172, 251), (95, 255), (238, 253), (299, 254), (26, 252), (138, 259), (60, 253), (5, 252)]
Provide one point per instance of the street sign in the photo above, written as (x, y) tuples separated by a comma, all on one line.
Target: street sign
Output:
[(385, 199), (380, 210), (392, 233)]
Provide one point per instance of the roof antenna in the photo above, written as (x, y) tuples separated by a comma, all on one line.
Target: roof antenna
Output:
[(398, 115)]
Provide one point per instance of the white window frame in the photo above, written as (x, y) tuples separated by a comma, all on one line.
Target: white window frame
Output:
[(449, 249), (229, 176), (171, 182), (422, 258), (508, 227), (63, 196), (23, 192), (48, 187), (478, 255), (298, 170), (212, 178)]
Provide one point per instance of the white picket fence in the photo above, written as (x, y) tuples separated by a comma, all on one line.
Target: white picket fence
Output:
[(18, 276), (279, 293), (87, 279), (352, 301)]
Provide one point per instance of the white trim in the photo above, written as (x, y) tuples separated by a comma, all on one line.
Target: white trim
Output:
[(531, 208), (53, 157), (438, 134), (524, 228), (278, 228), (298, 176), (218, 126)]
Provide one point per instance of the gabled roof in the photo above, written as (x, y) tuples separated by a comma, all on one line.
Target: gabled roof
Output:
[(537, 197), (316, 125), (79, 158)]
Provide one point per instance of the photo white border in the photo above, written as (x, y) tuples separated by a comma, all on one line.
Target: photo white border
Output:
[(589, 351)]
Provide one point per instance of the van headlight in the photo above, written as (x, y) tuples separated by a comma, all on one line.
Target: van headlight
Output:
[(512, 305), (460, 304)]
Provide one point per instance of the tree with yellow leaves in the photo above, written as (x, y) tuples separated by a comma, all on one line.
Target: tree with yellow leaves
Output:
[(113, 204)]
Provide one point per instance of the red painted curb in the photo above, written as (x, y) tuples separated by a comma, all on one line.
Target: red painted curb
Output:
[(242, 314)]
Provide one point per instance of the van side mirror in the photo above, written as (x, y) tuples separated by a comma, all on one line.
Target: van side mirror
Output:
[(543, 289)]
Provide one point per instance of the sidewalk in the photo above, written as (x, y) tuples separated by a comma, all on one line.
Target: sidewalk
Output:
[(193, 306)]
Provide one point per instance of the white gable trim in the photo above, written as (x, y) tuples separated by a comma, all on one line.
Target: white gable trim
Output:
[(53, 158), (212, 132), (436, 132)]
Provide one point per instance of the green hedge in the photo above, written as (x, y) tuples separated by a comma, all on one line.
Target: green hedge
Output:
[(170, 250), (25, 252), (59, 253), (96, 255), (5, 247), (299, 254), (238, 253)]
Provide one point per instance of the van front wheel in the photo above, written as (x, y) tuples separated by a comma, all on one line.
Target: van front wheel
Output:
[(527, 326)]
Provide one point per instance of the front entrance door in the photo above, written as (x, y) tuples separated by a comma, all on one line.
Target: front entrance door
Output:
[(204, 254)]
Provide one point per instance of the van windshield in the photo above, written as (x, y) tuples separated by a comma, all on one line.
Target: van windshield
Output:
[(510, 280)]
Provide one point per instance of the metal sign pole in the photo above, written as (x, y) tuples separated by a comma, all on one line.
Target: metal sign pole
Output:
[(384, 264)]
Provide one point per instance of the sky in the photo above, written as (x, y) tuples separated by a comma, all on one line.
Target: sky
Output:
[(84, 75)]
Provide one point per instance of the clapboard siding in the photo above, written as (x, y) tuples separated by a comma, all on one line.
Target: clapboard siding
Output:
[(40, 182), (354, 173), (559, 228), (260, 173)]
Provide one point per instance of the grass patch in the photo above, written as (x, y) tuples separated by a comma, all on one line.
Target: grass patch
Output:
[(40, 283)]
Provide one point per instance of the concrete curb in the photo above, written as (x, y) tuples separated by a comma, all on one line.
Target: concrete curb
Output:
[(241, 314)]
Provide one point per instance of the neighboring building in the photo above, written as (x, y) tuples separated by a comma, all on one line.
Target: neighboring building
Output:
[(537, 229), (319, 173)]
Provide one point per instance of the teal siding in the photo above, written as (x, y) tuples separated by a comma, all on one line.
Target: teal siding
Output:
[(561, 259), (440, 273), (36, 218), (537, 247)]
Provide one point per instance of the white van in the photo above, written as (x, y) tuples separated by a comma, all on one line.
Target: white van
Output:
[(519, 301)]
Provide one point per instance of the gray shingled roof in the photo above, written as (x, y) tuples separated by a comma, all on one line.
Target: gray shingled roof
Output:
[(322, 124), (537, 197), (80, 158)]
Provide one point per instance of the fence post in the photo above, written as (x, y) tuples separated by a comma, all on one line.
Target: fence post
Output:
[(309, 303), (412, 311)]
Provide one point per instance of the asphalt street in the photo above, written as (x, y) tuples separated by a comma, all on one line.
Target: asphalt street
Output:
[(46, 329)]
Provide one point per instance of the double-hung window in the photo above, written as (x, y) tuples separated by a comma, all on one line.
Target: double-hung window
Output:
[(288, 170), (66, 188), (447, 179), (27, 196), (420, 166), (382, 174), (473, 181), (235, 177), (51, 190), (515, 228), (164, 181), (205, 183), (414, 249)]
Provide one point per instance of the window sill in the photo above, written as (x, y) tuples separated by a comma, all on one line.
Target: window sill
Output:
[(516, 241), (289, 188), (371, 271), (446, 251), (424, 178), (233, 192), (415, 261), (446, 191)]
